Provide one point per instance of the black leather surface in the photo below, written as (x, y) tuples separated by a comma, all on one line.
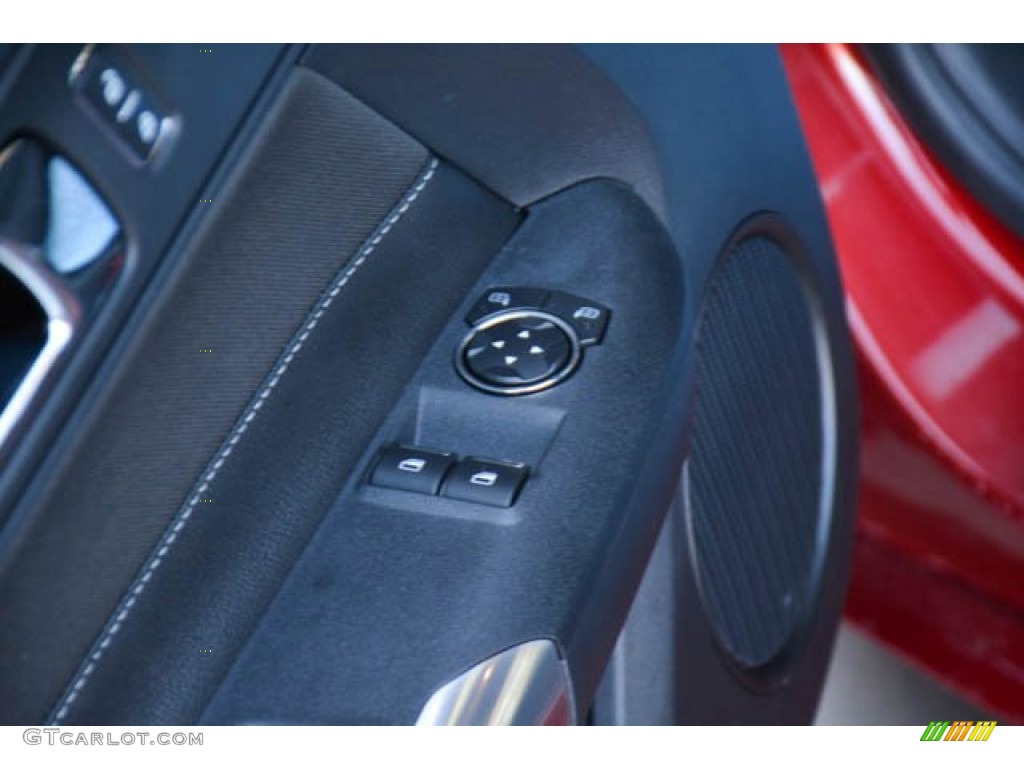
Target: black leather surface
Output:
[(206, 597), (525, 120), (315, 184), (398, 593)]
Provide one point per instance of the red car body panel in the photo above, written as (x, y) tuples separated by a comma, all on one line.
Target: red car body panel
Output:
[(935, 298)]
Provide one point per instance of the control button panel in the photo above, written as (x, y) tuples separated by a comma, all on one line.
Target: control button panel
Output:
[(588, 318), (411, 469), (527, 339), (485, 482), (481, 481), (118, 100)]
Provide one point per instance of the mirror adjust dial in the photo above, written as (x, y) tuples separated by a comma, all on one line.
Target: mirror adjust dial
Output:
[(518, 352)]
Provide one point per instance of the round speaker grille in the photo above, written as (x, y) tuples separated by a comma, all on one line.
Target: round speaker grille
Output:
[(758, 481)]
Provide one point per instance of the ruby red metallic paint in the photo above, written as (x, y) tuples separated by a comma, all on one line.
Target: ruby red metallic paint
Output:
[(935, 298)]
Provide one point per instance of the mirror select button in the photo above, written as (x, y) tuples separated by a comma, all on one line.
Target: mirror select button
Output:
[(482, 481), (503, 299), (411, 469)]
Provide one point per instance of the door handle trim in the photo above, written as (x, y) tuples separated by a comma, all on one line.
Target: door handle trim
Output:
[(63, 317), (527, 684)]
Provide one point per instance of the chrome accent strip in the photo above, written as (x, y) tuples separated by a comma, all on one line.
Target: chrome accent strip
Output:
[(527, 684), (80, 62), (63, 313)]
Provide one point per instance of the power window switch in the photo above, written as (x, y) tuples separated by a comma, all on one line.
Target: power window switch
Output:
[(407, 468), (481, 481)]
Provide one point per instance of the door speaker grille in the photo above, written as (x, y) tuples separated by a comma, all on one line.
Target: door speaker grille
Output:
[(758, 481)]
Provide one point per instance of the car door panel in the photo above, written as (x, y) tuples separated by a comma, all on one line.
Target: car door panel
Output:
[(203, 541)]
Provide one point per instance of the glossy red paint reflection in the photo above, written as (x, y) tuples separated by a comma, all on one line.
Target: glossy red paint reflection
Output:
[(935, 297)]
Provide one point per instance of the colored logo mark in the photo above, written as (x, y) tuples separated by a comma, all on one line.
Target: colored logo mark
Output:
[(959, 730)]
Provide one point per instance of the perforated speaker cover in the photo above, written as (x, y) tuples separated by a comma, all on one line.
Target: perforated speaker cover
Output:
[(758, 481)]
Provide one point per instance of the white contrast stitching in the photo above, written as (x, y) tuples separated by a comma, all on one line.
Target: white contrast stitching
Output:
[(240, 428)]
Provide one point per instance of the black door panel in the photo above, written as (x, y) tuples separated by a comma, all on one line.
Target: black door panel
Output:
[(526, 260)]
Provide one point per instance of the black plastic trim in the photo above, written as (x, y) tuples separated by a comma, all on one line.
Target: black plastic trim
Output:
[(966, 102)]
